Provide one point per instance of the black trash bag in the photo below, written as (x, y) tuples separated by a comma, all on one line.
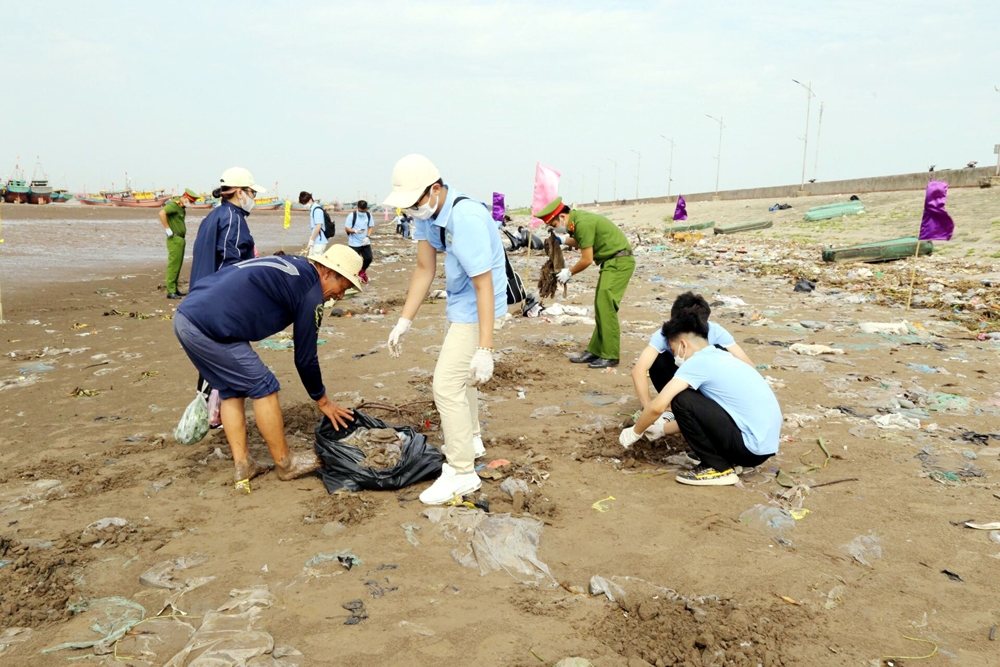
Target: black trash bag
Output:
[(342, 463), (804, 286)]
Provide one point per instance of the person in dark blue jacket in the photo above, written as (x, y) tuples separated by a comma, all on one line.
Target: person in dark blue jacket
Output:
[(224, 237), (250, 301)]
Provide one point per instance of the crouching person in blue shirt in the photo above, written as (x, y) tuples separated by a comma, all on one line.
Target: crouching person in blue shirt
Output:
[(722, 406), (250, 301), (476, 284)]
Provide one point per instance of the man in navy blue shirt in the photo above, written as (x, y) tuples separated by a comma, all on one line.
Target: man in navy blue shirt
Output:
[(250, 301)]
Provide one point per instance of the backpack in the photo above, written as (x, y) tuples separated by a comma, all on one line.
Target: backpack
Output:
[(515, 288), (356, 219), (329, 226)]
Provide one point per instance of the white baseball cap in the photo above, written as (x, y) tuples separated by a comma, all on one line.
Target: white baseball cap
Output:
[(343, 260), (410, 177), (238, 177)]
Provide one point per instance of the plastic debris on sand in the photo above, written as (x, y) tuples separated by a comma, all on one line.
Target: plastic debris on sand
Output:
[(493, 542)]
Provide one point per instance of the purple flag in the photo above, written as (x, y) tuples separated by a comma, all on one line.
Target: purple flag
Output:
[(498, 207), (936, 224), (681, 212)]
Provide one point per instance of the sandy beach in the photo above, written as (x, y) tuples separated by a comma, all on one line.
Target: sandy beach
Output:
[(889, 446)]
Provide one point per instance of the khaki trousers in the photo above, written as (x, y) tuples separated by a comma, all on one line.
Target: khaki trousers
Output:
[(456, 398)]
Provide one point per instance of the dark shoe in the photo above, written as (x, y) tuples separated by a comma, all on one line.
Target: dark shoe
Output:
[(175, 295), (600, 362), (707, 476), (584, 358)]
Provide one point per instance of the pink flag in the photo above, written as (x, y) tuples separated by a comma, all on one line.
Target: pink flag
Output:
[(546, 189)]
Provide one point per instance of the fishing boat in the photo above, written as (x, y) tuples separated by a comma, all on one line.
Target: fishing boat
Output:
[(40, 192), (61, 196), (204, 202), (93, 199), (138, 199), (268, 203), (17, 191)]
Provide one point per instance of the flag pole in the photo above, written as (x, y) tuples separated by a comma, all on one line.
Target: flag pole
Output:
[(1, 297), (913, 275)]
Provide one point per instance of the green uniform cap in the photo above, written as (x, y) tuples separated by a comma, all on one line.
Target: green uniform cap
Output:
[(191, 193), (550, 208)]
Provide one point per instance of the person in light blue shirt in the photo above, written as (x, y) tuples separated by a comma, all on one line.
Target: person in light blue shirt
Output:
[(358, 226), (318, 239), (657, 361), (476, 285), (725, 410)]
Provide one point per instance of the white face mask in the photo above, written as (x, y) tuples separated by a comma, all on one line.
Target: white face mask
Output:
[(422, 212), (247, 202), (678, 360)]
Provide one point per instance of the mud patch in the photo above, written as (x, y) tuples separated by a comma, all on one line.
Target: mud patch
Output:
[(349, 509), (513, 371), (658, 453), (37, 584), (40, 577), (675, 633)]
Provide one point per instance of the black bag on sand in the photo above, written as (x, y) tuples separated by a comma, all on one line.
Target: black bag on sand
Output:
[(343, 464)]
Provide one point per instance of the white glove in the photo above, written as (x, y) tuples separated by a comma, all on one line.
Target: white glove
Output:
[(655, 430), (564, 276), (481, 366), (169, 232), (629, 437), (562, 238), (402, 326)]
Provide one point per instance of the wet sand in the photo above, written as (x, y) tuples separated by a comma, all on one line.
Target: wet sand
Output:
[(99, 420)]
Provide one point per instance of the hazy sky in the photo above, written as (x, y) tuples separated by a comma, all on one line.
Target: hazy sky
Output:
[(325, 96)]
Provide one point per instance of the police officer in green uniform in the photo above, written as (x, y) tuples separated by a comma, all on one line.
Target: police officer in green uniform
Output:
[(602, 242), (172, 219)]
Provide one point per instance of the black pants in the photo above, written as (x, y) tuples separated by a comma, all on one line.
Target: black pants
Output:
[(711, 432), (366, 256)]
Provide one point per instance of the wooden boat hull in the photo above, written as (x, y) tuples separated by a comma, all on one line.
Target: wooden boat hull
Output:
[(880, 251), (737, 227), (689, 226), (16, 195)]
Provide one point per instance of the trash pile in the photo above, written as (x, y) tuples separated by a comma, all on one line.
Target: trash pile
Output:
[(382, 446)]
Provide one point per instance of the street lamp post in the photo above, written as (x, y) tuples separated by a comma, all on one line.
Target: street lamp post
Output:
[(670, 171), (718, 158), (614, 181), (805, 138), (598, 182), (819, 130), (638, 163)]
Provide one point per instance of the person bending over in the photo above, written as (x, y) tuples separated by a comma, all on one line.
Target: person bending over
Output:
[(657, 361), (725, 410)]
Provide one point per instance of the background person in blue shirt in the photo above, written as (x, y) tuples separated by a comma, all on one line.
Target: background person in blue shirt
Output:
[(223, 236), (358, 225), (657, 361), (725, 410), (318, 240), (476, 284), (250, 301)]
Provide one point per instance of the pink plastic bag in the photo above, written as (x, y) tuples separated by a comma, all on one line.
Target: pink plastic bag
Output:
[(214, 420)]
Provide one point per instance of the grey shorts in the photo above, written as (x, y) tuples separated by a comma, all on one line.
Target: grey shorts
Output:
[(232, 368)]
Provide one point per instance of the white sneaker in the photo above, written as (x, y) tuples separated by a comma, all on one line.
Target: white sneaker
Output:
[(477, 446), (449, 485)]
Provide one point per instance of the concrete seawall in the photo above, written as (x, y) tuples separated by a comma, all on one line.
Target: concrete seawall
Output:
[(956, 178)]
